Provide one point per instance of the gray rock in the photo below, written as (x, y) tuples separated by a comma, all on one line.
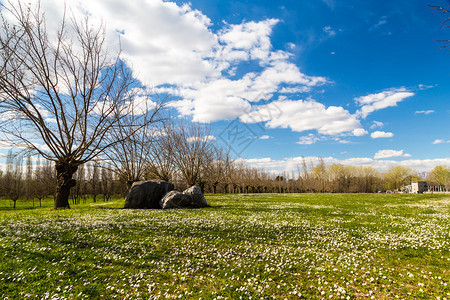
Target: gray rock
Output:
[(147, 194), (175, 199), (197, 196)]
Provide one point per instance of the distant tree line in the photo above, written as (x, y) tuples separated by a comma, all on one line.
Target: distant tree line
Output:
[(187, 155)]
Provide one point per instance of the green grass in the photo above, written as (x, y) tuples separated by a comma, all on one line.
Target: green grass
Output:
[(251, 246)]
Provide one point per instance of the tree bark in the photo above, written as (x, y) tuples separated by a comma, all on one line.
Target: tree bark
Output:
[(64, 182)]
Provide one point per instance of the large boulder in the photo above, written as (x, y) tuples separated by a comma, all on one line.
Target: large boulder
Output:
[(197, 196), (175, 199), (147, 194)]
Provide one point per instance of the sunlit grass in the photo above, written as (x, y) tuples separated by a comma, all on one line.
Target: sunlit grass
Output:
[(262, 245)]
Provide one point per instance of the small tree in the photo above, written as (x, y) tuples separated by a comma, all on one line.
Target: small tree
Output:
[(441, 175), (14, 183), (107, 182), (132, 154), (193, 150), (162, 162), (94, 179)]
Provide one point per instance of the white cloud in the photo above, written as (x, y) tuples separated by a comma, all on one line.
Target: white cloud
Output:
[(329, 30), (249, 40), (382, 21), (390, 153), (302, 115), (425, 112), (291, 164), (359, 132), (308, 139), (381, 134), (388, 98), (376, 124), (440, 141), (294, 90), (265, 137), (193, 139), (225, 99), (172, 47)]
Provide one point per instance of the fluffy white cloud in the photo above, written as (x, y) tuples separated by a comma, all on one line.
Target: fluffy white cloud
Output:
[(440, 141), (249, 40), (425, 112), (359, 132), (167, 44), (390, 153), (376, 124), (265, 137), (308, 139), (381, 134), (224, 98), (302, 115), (388, 98), (329, 31), (193, 139)]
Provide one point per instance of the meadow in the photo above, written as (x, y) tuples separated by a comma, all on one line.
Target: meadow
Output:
[(245, 246)]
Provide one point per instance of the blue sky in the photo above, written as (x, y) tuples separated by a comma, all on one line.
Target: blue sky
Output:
[(353, 82), (362, 48)]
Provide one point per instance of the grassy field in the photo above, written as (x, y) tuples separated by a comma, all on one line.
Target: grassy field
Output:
[(279, 246)]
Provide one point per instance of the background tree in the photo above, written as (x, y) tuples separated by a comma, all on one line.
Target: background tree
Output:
[(162, 163), (79, 191), (44, 178), (61, 92), (193, 150), (398, 176), (14, 182), (441, 176), (132, 154), (107, 182), (94, 179)]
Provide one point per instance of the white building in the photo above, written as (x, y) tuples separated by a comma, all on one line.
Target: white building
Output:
[(418, 187)]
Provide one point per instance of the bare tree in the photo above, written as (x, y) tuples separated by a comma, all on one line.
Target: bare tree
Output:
[(94, 179), (162, 164), (132, 154), (40, 181), (193, 149), (78, 192), (14, 183), (216, 171), (28, 178), (59, 96), (107, 182), (446, 11)]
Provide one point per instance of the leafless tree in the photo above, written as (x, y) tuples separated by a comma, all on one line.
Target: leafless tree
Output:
[(61, 92), (162, 164), (216, 171), (446, 11), (133, 153), (79, 191), (193, 149), (44, 177), (14, 183), (94, 179), (107, 182)]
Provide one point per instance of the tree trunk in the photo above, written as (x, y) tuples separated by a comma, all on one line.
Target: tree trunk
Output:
[(64, 182)]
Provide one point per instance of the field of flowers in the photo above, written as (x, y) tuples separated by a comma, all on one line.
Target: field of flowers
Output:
[(345, 246)]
